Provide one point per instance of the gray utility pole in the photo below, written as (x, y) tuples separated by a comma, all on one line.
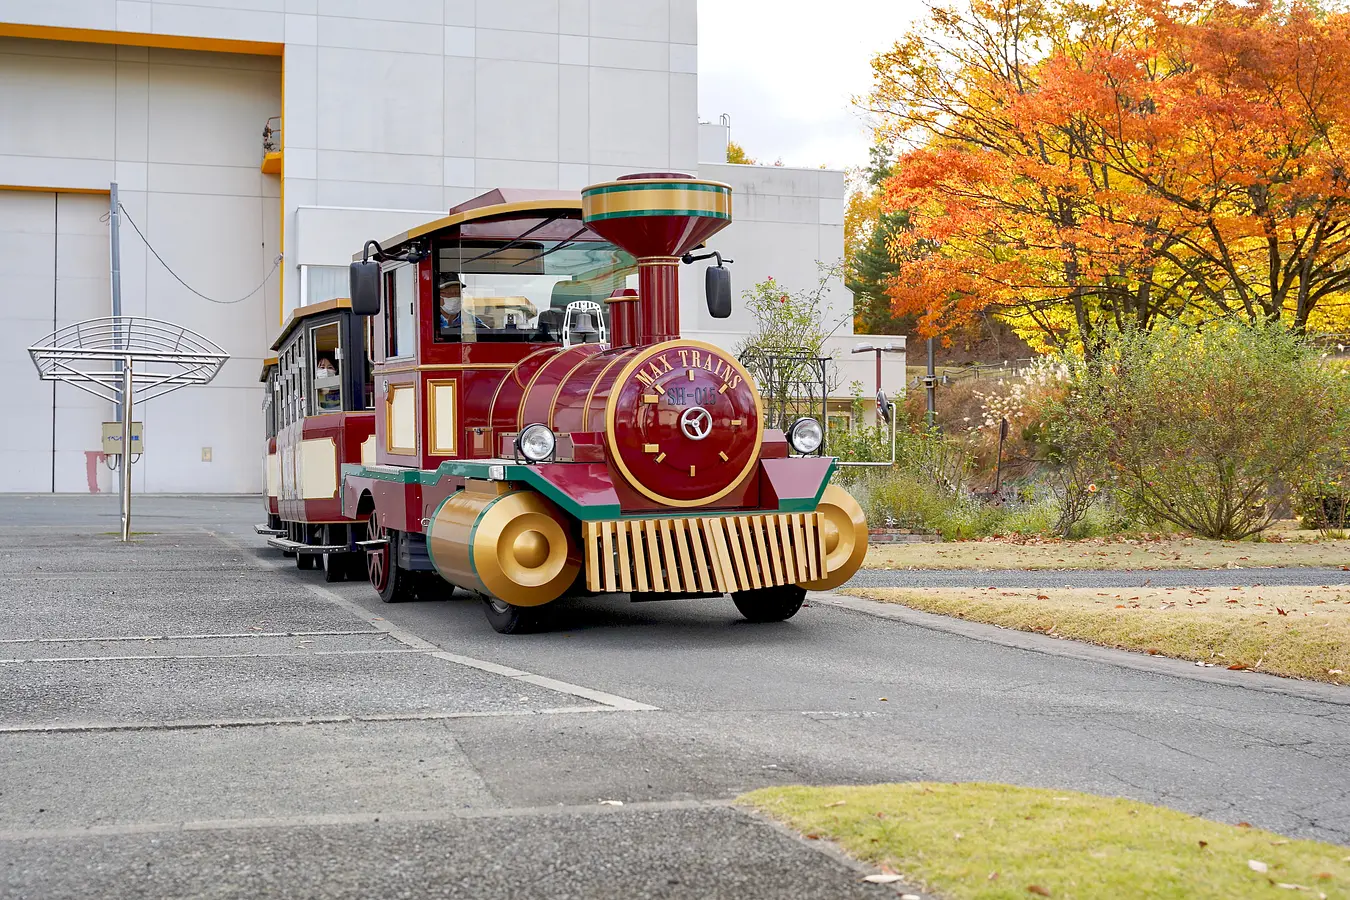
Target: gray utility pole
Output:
[(123, 411)]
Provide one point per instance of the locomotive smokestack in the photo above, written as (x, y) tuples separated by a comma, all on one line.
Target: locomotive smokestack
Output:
[(657, 217)]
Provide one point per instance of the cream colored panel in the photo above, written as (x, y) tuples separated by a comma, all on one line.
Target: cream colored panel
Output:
[(318, 469), (273, 474), (443, 417), (368, 451), (402, 418)]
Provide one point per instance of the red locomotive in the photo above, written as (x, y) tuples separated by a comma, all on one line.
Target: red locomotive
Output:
[(541, 428)]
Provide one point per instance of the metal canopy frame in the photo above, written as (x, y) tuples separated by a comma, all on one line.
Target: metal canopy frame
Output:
[(127, 360)]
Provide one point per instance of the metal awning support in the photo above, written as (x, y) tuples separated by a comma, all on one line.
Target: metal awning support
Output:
[(127, 360)]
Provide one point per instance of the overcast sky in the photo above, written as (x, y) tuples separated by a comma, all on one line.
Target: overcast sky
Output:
[(785, 72)]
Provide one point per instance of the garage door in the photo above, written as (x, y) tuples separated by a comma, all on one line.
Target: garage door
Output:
[(53, 271)]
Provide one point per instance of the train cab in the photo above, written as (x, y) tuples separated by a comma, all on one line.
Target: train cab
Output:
[(508, 276), (319, 413)]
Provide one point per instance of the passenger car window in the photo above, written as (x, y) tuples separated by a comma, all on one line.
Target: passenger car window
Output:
[(326, 351)]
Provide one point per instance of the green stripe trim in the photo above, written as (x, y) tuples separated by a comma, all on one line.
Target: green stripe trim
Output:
[(657, 186), (530, 476), (630, 213)]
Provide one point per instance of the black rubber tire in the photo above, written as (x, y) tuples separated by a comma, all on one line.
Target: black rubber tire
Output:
[(774, 604), (507, 619), (342, 566), (307, 562), (402, 586)]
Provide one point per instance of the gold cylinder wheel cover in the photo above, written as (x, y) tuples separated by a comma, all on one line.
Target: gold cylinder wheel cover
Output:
[(512, 545), (845, 538)]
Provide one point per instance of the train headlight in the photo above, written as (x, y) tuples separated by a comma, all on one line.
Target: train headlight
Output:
[(805, 435), (536, 442)]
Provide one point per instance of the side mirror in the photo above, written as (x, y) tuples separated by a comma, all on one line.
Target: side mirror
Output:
[(884, 409), (717, 287), (365, 288)]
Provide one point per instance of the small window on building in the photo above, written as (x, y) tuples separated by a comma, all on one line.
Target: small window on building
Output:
[(325, 283)]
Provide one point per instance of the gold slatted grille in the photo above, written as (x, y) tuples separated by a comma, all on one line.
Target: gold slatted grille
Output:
[(713, 554)]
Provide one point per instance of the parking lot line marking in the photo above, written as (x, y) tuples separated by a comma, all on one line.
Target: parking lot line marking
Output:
[(613, 701), (374, 818), (183, 637), (197, 724), (301, 651), (412, 640)]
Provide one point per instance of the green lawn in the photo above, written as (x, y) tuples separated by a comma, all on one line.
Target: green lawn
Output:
[(987, 841)]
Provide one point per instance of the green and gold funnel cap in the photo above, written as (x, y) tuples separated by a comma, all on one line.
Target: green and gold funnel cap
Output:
[(657, 214)]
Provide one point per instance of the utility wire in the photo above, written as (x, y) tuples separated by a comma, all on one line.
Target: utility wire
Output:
[(275, 265)]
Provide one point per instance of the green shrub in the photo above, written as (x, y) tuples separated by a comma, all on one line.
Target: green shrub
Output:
[(1208, 429)]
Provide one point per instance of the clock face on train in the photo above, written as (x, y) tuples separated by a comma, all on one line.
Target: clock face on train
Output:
[(684, 423)]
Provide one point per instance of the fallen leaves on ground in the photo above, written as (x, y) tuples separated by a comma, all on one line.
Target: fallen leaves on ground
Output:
[(1299, 631), (1148, 552)]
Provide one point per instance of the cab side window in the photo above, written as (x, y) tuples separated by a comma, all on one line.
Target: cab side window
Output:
[(400, 292)]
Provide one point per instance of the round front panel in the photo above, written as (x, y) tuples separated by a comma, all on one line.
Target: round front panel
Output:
[(684, 423)]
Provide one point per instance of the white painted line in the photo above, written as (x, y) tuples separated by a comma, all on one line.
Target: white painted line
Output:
[(563, 687), (412, 640), (374, 818), (183, 637), (196, 724), (300, 652)]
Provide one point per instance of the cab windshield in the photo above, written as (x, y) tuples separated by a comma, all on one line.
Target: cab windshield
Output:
[(518, 289)]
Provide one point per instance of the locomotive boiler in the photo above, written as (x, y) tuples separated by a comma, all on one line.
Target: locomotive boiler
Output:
[(542, 429)]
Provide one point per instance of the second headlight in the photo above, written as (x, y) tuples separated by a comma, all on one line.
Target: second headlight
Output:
[(536, 442), (806, 435)]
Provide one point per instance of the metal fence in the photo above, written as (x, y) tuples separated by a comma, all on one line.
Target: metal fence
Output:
[(791, 386)]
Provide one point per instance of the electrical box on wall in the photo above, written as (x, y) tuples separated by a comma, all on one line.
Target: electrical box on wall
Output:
[(112, 439)]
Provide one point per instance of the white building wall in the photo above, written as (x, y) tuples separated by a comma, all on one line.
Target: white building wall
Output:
[(458, 97), (179, 131)]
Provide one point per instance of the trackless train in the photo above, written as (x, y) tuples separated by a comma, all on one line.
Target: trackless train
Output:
[(505, 405)]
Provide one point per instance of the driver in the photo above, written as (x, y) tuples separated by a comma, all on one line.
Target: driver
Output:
[(451, 307)]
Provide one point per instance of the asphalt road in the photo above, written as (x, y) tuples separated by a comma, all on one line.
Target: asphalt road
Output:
[(191, 716)]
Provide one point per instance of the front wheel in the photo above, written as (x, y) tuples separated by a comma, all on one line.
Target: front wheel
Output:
[(393, 584), (772, 604), (507, 619)]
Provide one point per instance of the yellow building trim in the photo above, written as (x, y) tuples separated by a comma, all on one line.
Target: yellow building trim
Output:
[(271, 163), (43, 189), (140, 39), (281, 203)]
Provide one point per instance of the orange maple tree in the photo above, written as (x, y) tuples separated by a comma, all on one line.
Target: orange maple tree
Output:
[(1124, 163)]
